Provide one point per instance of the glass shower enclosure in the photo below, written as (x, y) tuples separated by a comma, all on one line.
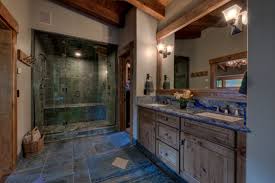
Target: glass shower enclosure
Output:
[(74, 83)]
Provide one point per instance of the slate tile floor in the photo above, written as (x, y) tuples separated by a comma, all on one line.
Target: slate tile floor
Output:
[(88, 160)]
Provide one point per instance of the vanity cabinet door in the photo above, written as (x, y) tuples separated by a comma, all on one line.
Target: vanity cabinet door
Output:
[(147, 135), (205, 161)]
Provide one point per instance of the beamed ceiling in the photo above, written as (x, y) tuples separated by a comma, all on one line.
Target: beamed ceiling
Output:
[(214, 19), (113, 11)]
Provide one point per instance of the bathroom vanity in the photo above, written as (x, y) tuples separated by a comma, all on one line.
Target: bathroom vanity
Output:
[(198, 148)]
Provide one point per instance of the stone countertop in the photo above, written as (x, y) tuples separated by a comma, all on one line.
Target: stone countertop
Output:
[(190, 113)]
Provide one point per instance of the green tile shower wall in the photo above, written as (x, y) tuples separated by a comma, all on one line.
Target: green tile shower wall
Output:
[(56, 116), (60, 81)]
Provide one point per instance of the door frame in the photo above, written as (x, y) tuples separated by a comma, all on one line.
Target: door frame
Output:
[(13, 26), (125, 52), (188, 69)]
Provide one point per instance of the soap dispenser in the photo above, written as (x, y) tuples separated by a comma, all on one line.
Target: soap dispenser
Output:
[(166, 82), (149, 86)]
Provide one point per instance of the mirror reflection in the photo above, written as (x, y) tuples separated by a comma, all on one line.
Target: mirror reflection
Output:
[(207, 54)]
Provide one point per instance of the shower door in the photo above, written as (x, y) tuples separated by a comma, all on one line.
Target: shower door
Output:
[(55, 89), (74, 83)]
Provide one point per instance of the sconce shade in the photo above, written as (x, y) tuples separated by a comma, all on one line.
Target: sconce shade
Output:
[(169, 49), (161, 47), (244, 17), (232, 12)]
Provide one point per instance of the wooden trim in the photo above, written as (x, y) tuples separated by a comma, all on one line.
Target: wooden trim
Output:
[(23, 57), (6, 16), (159, 69), (93, 8), (152, 7), (231, 94), (199, 11), (218, 60), (14, 103), (128, 49), (226, 58)]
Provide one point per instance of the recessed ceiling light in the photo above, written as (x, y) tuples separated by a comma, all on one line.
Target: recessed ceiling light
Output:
[(78, 54)]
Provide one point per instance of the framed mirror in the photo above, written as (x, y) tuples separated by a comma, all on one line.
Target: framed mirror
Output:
[(208, 53)]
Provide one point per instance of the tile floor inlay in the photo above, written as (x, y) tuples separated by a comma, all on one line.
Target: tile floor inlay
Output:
[(88, 160)]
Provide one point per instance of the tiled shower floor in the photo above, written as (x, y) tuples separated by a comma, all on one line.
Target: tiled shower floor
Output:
[(88, 160)]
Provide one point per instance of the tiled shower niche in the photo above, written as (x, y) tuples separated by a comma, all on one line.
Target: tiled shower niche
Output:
[(74, 82)]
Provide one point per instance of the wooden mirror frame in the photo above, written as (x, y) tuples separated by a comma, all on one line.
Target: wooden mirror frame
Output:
[(186, 19), (213, 63), (11, 126)]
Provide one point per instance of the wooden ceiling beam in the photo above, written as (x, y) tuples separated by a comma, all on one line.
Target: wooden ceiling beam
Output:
[(199, 11), (96, 9), (151, 7), (8, 18)]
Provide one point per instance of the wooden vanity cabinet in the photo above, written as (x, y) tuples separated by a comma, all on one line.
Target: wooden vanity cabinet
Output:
[(147, 125), (205, 162), (198, 152)]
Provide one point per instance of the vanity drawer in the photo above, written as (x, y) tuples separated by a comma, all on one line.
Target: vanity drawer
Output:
[(168, 155), (144, 113), (168, 135), (212, 133), (169, 120)]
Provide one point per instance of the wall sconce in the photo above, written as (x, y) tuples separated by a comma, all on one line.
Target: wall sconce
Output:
[(165, 50), (236, 18), (234, 13)]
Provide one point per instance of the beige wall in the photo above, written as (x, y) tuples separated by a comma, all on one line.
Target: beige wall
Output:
[(129, 31), (261, 89), (146, 50), (21, 12), (168, 63), (64, 21), (68, 22), (214, 42)]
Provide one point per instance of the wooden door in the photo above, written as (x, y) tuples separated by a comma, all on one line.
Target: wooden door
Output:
[(122, 93), (207, 162), (7, 103), (147, 135)]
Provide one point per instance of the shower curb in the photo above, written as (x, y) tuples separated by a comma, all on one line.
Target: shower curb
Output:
[(79, 134)]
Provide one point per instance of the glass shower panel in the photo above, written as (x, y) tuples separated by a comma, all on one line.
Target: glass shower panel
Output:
[(55, 91), (74, 83)]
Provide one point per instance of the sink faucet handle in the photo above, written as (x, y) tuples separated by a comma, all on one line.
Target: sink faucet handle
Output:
[(236, 113), (217, 109), (225, 111)]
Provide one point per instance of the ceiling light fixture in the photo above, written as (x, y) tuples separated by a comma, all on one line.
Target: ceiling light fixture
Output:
[(78, 53)]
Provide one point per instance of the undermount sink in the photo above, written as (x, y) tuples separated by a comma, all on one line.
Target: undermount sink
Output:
[(219, 116), (158, 105)]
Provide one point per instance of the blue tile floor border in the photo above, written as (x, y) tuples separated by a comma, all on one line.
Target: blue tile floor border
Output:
[(87, 160)]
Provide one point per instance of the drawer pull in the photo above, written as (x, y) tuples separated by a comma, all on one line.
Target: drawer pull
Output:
[(166, 118), (166, 134)]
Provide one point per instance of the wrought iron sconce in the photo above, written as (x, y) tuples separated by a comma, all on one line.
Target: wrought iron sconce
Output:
[(165, 50)]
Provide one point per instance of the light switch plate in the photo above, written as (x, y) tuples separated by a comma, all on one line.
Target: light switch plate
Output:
[(19, 70)]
